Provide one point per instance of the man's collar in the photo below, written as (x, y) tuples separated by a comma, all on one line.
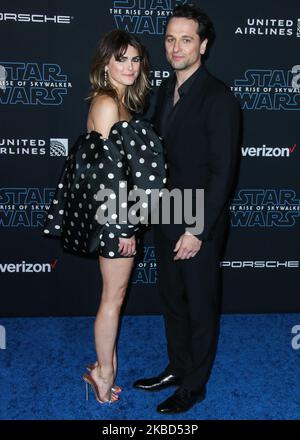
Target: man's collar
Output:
[(187, 84)]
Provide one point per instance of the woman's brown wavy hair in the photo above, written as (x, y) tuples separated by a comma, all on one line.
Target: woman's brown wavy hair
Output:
[(115, 43)]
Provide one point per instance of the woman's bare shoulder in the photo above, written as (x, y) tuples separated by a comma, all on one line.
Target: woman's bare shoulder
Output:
[(104, 103), (104, 113)]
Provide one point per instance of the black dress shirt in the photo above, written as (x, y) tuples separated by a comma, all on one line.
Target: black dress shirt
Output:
[(169, 109)]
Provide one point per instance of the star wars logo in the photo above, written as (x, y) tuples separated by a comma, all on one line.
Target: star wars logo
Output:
[(145, 270), (265, 208), (33, 84), (143, 16), (24, 207), (269, 89)]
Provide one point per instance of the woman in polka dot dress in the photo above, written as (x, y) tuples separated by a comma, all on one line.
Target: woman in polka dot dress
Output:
[(117, 152)]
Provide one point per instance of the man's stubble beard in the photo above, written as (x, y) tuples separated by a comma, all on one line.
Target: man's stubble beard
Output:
[(179, 66), (184, 66)]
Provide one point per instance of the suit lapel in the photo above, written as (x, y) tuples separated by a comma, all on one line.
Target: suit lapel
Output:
[(161, 103), (184, 108)]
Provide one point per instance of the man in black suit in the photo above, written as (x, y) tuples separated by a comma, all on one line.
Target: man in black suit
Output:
[(198, 118)]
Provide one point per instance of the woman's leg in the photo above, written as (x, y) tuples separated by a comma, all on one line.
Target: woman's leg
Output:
[(115, 361), (115, 275)]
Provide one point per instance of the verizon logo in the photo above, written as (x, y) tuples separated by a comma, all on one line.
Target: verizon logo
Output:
[(27, 267), (265, 151)]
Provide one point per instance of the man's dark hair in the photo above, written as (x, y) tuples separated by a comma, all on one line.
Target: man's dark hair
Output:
[(191, 12)]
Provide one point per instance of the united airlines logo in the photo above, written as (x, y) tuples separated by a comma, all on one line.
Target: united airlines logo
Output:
[(265, 208), (34, 147), (33, 84), (58, 147), (145, 270), (269, 27), (24, 207), (157, 76), (269, 89), (143, 16)]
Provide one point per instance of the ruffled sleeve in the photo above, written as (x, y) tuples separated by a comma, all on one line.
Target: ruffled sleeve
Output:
[(145, 161), (93, 166), (96, 180)]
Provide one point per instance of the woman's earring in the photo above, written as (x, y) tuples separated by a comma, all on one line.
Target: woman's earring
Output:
[(105, 78)]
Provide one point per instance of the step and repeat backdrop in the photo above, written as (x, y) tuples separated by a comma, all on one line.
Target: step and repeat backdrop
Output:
[(46, 49)]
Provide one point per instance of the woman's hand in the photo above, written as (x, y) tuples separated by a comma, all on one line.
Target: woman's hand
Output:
[(127, 246)]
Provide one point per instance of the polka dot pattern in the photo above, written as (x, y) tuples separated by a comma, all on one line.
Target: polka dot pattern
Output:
[(132, 157)]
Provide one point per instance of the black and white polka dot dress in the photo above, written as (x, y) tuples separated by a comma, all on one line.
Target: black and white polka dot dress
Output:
[(89, 211)]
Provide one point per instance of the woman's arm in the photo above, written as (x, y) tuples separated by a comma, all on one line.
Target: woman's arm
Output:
[(103, 114)]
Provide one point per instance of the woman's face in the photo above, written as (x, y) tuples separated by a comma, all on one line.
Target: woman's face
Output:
[(123, 72)]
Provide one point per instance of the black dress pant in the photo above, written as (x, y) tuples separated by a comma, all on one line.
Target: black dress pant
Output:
[(190, 294)]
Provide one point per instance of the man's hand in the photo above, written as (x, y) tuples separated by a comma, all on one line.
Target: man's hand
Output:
[(187, 246)]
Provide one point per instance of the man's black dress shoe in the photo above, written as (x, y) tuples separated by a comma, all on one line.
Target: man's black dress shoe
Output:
[(157, 383), (182, 400)]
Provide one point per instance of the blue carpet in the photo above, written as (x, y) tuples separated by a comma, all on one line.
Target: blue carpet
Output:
[(255, 375)]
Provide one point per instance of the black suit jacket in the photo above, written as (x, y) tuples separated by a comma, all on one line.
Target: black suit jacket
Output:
[(201, 145)]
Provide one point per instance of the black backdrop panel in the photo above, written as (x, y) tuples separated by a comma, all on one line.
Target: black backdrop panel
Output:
[(45, 56)]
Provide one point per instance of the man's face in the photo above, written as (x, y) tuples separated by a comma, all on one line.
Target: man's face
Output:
[(183, 45)]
